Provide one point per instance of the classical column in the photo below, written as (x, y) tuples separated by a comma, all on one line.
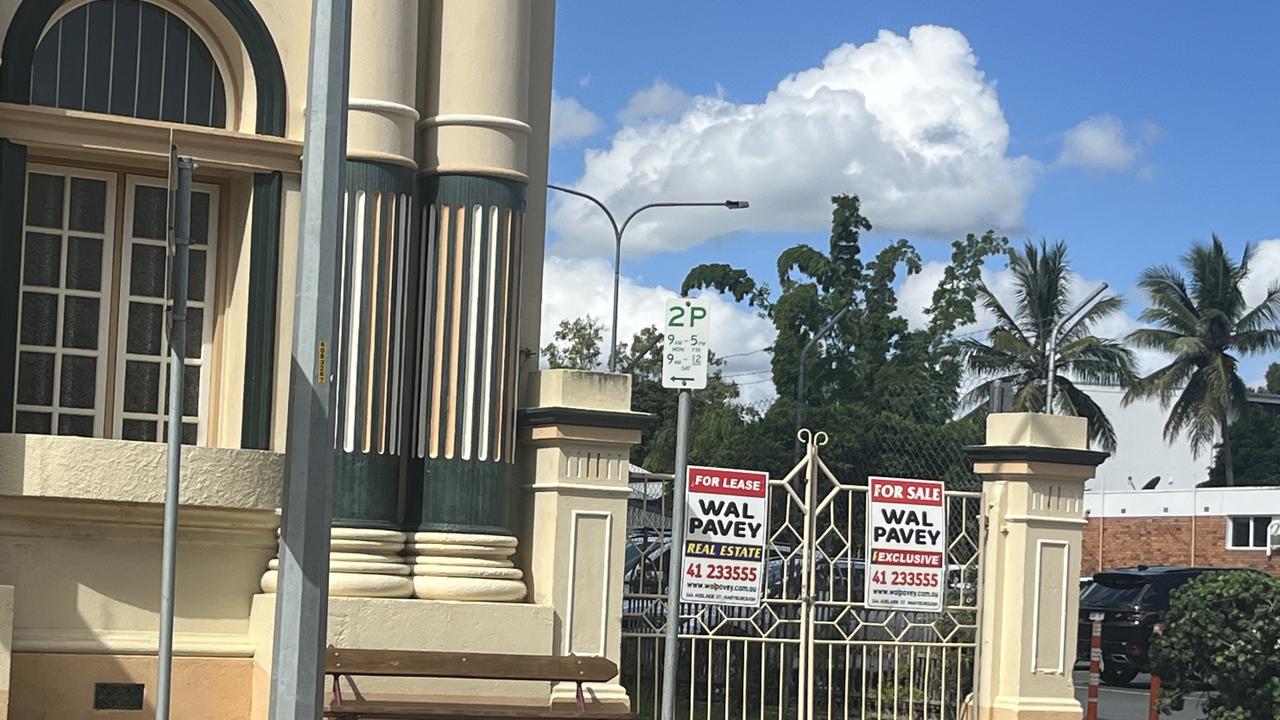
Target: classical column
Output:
[(464, 449), (576, 433), (1034, 468), (473, 151), (377, 285)]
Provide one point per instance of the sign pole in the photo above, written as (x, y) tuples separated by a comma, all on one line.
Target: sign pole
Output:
[(675, 558), (177, 358)]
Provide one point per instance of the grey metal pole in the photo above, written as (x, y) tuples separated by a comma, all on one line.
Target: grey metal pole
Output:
[(675, 561), (177, 359), (302, 602), (804, 351), (613, 326), (1050, 385)]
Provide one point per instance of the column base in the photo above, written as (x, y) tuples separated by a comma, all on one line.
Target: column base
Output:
[(362, 563), (456, 566), (1032, 708)]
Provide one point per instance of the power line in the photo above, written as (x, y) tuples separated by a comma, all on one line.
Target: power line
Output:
[(744, 354)]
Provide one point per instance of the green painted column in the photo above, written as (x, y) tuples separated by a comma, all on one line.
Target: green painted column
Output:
[(13, 185), (371, 376), (463, 449)]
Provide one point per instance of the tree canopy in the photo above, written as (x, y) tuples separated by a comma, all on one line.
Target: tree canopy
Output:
[(1202, 320)]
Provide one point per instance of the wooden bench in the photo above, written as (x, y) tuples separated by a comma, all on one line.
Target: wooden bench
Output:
[(349, 662)]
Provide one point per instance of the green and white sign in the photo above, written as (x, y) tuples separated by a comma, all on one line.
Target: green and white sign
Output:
[(686, 327)]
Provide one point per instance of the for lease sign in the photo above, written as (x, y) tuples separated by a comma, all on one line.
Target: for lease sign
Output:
[(906, 544), (725, 525)]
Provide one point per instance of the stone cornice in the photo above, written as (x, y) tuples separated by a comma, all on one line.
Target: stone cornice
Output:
[(112, 136), (582, 417), (1034, 453)]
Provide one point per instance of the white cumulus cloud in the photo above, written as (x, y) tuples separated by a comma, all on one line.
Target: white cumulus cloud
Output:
[(659, 100), (573, 288), (911, 124), (1103, 143), (570, 120)]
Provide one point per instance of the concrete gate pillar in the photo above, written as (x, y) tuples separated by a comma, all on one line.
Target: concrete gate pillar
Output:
[(1034, 468), (577, 430)]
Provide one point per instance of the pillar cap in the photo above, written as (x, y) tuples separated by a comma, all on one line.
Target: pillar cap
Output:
[(543, 416), (1035, 453)]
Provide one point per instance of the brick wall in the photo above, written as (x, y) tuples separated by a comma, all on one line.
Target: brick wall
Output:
[(1126, 542)]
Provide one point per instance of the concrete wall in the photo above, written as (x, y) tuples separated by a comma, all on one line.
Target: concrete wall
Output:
[(80, 544), (1141, 451)]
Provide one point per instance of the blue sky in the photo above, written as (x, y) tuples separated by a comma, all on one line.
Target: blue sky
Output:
[(1126, 129)]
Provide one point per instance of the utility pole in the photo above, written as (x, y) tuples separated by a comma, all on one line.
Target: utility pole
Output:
[(302, 600), (173, 471)]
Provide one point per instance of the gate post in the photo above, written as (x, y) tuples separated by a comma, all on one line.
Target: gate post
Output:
[(1033, 468)]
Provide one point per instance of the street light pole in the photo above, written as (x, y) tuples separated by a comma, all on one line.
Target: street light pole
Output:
[(302, 598), (822, 331), (618, 230), (1050, 383)]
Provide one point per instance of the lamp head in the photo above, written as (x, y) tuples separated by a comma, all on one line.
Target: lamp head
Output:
[(737, 204)]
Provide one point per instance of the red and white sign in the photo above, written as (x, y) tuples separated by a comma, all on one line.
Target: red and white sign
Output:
[(906, 544), (726, 521)]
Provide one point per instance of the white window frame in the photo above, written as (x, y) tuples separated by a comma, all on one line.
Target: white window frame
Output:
[(1231, 519), (104, 296), (207, 306)]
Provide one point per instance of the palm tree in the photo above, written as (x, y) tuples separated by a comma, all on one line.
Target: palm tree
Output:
[(1201, 323), (1016, 349)]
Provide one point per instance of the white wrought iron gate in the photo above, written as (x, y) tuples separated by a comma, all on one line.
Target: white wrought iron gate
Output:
[(812, 651)]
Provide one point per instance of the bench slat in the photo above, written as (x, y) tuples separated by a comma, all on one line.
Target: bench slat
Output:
[(471, 666), (376, 709)]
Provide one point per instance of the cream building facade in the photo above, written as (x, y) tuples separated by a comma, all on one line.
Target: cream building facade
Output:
[(479, 503)]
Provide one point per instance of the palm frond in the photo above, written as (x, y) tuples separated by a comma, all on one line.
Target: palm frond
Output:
[(1156, 339), (1264, 315), (1162, 384), (1101, 431), (1167, 291)]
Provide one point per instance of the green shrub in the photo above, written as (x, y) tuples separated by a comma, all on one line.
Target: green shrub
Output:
[(1222, 635)]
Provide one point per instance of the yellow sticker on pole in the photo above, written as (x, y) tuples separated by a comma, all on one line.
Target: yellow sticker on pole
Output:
[(323, 357)]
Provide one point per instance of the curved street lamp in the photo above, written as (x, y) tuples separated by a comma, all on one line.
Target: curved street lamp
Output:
[(618, 230)]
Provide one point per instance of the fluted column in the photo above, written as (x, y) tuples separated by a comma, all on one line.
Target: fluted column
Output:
[(376, 283), (463, 452), (473, 149)]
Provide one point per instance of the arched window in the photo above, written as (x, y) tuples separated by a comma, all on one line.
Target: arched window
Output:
[(132, 58)]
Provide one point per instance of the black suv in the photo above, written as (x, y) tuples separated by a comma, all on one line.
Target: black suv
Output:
[(1132, 601)]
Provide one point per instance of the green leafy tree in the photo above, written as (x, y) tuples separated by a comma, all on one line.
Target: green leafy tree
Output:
[(1273, 378), (1221, 632), (872, 380), (1203, 321), (1016, 351), (718, 432), (576, 345), (1255, 447)]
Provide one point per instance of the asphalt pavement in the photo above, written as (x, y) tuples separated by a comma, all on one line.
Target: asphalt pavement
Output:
[(1128, 703)]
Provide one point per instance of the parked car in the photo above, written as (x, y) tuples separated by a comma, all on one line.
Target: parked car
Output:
[(1132, 601)]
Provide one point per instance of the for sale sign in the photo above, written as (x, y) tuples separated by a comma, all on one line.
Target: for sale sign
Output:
[(725, 525), (906, 543)]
